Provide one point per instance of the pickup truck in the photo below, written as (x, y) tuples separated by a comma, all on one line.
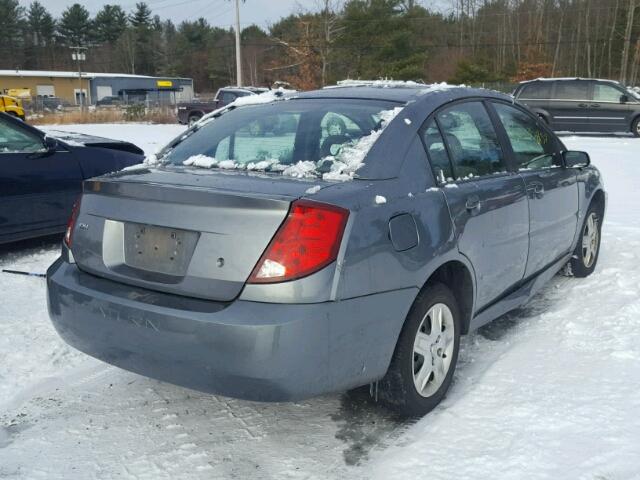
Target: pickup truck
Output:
[(191, 112), (12, 106)]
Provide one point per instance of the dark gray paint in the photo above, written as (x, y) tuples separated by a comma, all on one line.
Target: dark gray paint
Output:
[(584, 114)]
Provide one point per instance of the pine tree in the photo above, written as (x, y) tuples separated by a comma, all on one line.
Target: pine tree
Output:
[(11, 28), (110, 22), (142, 26), (75, 26), (39, 37), (40, 25)]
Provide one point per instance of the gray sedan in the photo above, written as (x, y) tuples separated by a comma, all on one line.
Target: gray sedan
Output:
[(322, 242)]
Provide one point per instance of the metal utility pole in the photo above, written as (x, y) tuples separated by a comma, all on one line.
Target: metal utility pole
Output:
[(238, 54), (79, 55)]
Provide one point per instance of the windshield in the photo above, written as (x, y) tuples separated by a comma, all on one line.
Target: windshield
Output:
[(303, 138)]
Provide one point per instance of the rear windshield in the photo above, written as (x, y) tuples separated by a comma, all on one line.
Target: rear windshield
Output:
[(325, 138)]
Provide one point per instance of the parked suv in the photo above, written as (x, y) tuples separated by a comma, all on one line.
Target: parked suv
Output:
[(355, 248), (582, 104), (191, 112)]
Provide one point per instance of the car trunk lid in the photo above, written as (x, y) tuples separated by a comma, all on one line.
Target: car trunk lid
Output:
[(194, 234)]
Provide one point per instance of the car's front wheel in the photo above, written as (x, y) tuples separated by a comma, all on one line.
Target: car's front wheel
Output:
[(585, 256), (425, 358)]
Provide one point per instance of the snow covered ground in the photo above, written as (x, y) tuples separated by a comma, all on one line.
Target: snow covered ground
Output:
[(150, 138), (548, 392)]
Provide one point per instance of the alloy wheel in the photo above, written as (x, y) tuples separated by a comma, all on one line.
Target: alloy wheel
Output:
[(590, 238), (433, 349)]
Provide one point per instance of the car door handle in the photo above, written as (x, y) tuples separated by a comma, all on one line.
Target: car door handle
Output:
[(595, 105), (583, 105), (472, 203)]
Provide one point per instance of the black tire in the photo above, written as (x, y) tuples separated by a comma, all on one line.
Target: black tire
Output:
[(635, 127), (398, 388), (584, 259)]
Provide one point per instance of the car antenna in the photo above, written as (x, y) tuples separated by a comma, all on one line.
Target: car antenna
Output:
[(20, 272)]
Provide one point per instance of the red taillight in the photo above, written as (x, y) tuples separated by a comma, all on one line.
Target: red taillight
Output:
[(68, 236), (308, 240)]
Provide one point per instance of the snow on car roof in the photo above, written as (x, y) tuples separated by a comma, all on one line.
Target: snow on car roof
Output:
[(383, 83), (389, 90)]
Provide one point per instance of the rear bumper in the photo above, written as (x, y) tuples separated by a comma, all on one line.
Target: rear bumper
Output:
[(250, 350)]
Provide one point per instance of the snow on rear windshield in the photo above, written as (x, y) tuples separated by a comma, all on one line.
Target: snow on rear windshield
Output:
[(316, 138)]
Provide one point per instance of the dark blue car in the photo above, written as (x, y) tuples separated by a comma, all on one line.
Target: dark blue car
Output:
[(41, 176)]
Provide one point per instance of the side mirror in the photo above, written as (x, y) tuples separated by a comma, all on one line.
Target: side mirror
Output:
[(50, 144), (574, 159), (624, 98)]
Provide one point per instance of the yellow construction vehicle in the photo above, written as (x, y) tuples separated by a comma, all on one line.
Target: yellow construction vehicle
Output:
[(12, 106)]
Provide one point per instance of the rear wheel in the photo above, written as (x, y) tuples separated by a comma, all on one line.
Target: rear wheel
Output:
[(585, 256), (425, 358), (635, 129)]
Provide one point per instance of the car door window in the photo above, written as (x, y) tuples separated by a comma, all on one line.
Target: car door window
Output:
[(437, 153), (14, 139), (533, 146), (472, 141), (536, 91), (572, 90), (606, 93)]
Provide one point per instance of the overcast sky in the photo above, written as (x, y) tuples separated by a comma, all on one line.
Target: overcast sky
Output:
[(217, 12)]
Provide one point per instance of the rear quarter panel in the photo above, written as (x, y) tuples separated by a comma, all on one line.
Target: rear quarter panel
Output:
[(589, 182), (371, 263)]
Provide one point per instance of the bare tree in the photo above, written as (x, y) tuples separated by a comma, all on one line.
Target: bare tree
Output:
[(624, 61), (331, 29)]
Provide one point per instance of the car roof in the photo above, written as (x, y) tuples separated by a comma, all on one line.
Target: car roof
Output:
[(398, 93), (419, 101), (566, 79)]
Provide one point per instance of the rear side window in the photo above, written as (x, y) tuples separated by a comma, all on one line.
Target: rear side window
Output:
[(472, 141), (606, 93), (438, 157), (572, 90), (532, 146), (536, 91)]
